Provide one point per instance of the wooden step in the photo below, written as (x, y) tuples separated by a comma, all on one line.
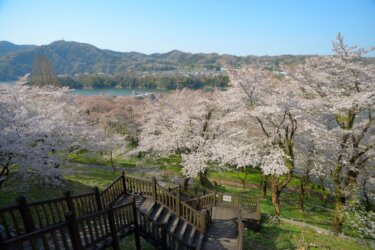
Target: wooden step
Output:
[(139, 200), (187, 235), (162, 216), (175, 224), (179, 227), (171, 219), (199, 241), (191, 236), (166, 218), (155, 216), (182, 230), (146, 206)]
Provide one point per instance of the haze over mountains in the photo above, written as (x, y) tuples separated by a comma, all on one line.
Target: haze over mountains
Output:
[(71, 58)]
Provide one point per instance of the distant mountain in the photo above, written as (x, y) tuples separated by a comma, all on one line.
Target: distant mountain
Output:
[(70, 58), (8, 47)]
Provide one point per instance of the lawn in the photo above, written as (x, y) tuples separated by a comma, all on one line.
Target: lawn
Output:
[(285, 236)]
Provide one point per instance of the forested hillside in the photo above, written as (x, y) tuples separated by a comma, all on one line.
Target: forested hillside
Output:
[(73, 58)]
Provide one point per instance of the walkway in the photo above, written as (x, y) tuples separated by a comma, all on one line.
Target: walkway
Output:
[(222, 231)]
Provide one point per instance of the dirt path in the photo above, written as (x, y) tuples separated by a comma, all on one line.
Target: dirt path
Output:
[(233, 183)]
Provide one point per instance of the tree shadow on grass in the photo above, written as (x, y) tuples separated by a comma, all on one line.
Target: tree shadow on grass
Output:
[(271, 236), (13, 188)]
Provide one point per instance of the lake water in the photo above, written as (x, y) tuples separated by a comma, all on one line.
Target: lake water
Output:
[(111, 91), (117, 92)]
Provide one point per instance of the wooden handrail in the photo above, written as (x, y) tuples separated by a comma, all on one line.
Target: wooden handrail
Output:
[(182, 209), (138, 185), (113, 192), (97, 207), (77, 233)]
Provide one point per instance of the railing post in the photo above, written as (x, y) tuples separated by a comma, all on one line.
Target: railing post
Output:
[(215, 199), (240, 228), (124, 181), (69, 201), (198, 203), (2, 243), (25, 214), (163, 236), (112, 227), (73, 230), (178, 209), (97, 198), (203, 221), (179, 189), (136, 227), (154, 194)]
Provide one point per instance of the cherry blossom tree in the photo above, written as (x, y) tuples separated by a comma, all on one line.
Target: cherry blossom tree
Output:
[(185, 122), (306, 154), (340, 101), (269, 109), (39, 126), (121, 114)]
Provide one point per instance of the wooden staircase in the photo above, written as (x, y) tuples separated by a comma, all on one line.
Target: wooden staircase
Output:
[(130, 205), (189, 237)]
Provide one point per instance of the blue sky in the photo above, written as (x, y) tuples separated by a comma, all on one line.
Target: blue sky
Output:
[(262, 27)]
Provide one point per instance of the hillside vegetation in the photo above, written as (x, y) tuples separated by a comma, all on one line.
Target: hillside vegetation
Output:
[(71, 58)]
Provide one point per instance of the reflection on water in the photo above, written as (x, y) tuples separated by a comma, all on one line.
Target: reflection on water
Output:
[(117, 92), (111, 91)]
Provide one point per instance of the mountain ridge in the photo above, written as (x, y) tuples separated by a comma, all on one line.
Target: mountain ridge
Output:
[(72, 58)]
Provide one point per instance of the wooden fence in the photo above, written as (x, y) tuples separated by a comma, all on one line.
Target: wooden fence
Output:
[(80, 233), (27, 217), (224, 200), (84, 220), (172, 201)]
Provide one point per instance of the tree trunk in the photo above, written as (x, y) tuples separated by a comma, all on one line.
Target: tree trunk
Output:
[(338, 217), (325, 196), (325, 192), (3, 175), (264, 187), (203, 180), (276, 196), (112, 163), (301, 195), (263, 184), (186, 183)]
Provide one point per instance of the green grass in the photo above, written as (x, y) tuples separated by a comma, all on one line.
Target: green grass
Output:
[(98, 159), (230, 175), (82, 180), (285, 236), (8, 194), (128, 243)]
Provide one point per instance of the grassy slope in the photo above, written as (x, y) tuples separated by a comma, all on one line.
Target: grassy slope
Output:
[(82, 178), (285, 236)]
